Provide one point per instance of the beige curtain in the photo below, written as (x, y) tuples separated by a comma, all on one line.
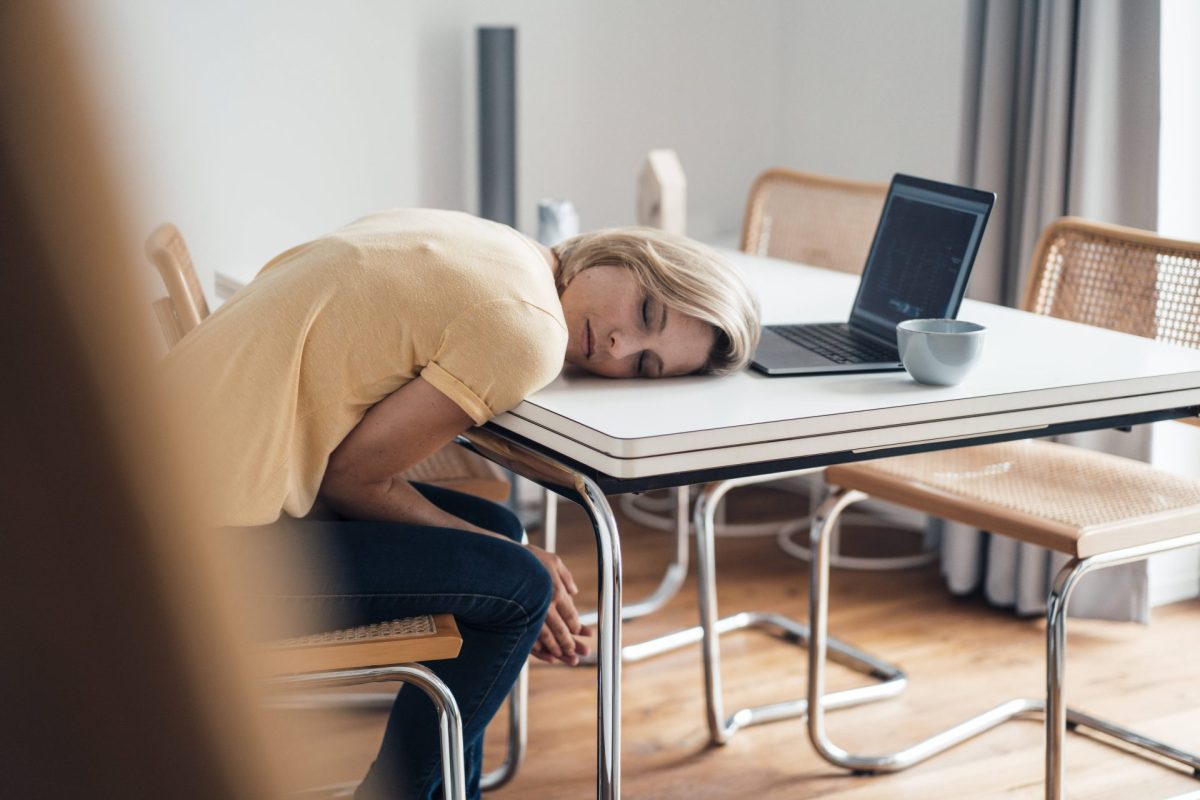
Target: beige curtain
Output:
[(1062, 119)]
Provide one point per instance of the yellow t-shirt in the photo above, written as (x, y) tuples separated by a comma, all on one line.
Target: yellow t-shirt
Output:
[(282, 372)]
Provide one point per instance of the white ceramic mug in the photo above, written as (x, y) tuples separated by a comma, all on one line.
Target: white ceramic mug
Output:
[(939, 352)]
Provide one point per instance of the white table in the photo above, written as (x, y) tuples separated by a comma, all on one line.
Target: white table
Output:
[(585, 436)]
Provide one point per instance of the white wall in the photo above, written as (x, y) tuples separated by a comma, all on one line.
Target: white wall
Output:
[(256, 125), (734, 87), (871, 88), (600, 84), (1174, 576), (1178, 155)]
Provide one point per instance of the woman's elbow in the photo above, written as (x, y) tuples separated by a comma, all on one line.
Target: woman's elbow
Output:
[(341, 485)]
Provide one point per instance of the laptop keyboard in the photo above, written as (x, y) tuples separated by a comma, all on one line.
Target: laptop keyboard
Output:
[(837, 342)]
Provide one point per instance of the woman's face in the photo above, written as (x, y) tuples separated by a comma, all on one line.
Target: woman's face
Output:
[(619, 331)]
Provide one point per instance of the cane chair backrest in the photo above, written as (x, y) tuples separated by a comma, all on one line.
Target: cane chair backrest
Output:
[(1124, 279), (813, 219)]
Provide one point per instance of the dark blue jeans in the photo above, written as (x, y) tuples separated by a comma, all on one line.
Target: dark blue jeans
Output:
[(371, 572)]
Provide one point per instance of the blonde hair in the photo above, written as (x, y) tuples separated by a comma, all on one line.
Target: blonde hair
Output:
[(681, 274)]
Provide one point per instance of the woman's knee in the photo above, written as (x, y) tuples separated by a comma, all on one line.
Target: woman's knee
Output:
[(503, 584), (502, 520)]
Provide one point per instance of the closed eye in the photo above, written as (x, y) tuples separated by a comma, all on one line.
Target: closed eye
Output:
[(648, 365)]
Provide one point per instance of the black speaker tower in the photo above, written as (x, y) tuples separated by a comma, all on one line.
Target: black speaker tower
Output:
[(497, 51)]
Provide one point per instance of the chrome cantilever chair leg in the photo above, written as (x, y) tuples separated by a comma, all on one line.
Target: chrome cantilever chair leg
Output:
[(891, 679), (550, 520), (1060, 718), (518, 736), (1057, 717), (518, 729), (676, 575), (454, 785), (518, 723)]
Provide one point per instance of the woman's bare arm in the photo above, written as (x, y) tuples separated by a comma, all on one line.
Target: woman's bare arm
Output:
[(362, 481), (362, 478)]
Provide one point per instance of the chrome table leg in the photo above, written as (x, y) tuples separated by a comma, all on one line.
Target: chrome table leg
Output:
[(673, 578), (550, 521), (608, 648), (670, 585), (552, 474)]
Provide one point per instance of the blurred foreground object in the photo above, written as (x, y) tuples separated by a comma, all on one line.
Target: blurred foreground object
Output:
[(662, 193), (185, 306), (120, 679)]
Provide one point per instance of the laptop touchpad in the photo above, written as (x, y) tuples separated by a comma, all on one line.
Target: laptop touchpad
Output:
[(774, 350)]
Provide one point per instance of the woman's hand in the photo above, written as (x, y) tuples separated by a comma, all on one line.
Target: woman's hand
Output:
[(562, 636)]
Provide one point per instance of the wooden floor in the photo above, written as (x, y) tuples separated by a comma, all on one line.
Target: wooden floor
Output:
[(961, 657)]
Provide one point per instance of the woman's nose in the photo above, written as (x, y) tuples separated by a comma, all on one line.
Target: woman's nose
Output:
[(621, 345)]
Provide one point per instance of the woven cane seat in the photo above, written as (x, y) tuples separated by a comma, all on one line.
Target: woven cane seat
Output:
[(1066, 498), (400, 641)]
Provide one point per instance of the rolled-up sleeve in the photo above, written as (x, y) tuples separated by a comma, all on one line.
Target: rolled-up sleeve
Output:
[(494, 355)]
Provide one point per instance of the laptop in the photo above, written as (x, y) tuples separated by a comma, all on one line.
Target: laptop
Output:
[(917, 268)]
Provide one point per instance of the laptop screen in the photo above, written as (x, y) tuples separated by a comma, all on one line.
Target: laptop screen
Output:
[(921, 258)]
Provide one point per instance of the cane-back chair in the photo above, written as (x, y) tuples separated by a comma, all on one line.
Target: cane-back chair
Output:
[(814, 219), (827, 222), (1099, 510)]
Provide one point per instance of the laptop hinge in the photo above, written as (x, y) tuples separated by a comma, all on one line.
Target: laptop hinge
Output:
[(873, 333)]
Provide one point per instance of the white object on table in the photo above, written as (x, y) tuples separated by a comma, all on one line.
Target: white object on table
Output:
[(662, 193)]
